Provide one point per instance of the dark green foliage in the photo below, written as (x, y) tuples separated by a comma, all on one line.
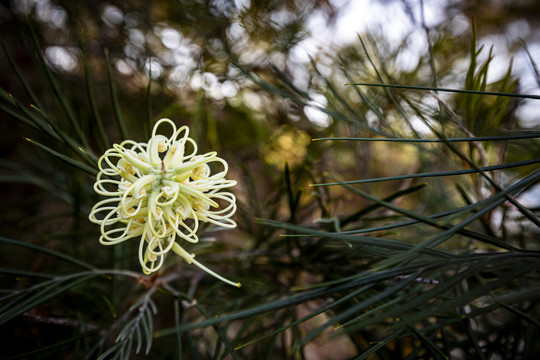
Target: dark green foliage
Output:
[(408, 229)]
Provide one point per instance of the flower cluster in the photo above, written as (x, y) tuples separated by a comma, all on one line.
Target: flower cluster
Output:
[(160, 194)]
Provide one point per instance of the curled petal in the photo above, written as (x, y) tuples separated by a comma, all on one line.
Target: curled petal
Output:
[(176, 136), (155, 261), (128, 232), (99, 186), (175, 155), (196, 194), (161, 121), (162, 251), (135, 146), (99, 207), (195, 148), (195, 162), (139, 188), (133, 159), (220, 217), (156, 145), (110, 169), (221, 174), (175, 221), (170, 191), (130, 207)]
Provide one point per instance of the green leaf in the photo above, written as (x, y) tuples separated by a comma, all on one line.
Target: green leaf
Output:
[(534, 135), (41, 296), (358, 307), (439, 89), (437, 174), (70, 144), (47, 251), (380, 345), (77, 164), (26, 273)]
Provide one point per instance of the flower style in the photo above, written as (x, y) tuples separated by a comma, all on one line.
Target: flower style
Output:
[(161, 199)]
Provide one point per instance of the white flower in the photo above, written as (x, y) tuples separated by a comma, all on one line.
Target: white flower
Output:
[(161, 199)]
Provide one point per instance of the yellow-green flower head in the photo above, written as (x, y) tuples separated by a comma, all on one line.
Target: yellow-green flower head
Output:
[(159, 194)]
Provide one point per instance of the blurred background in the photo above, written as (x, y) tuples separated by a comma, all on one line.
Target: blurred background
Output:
[(256, 81)]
